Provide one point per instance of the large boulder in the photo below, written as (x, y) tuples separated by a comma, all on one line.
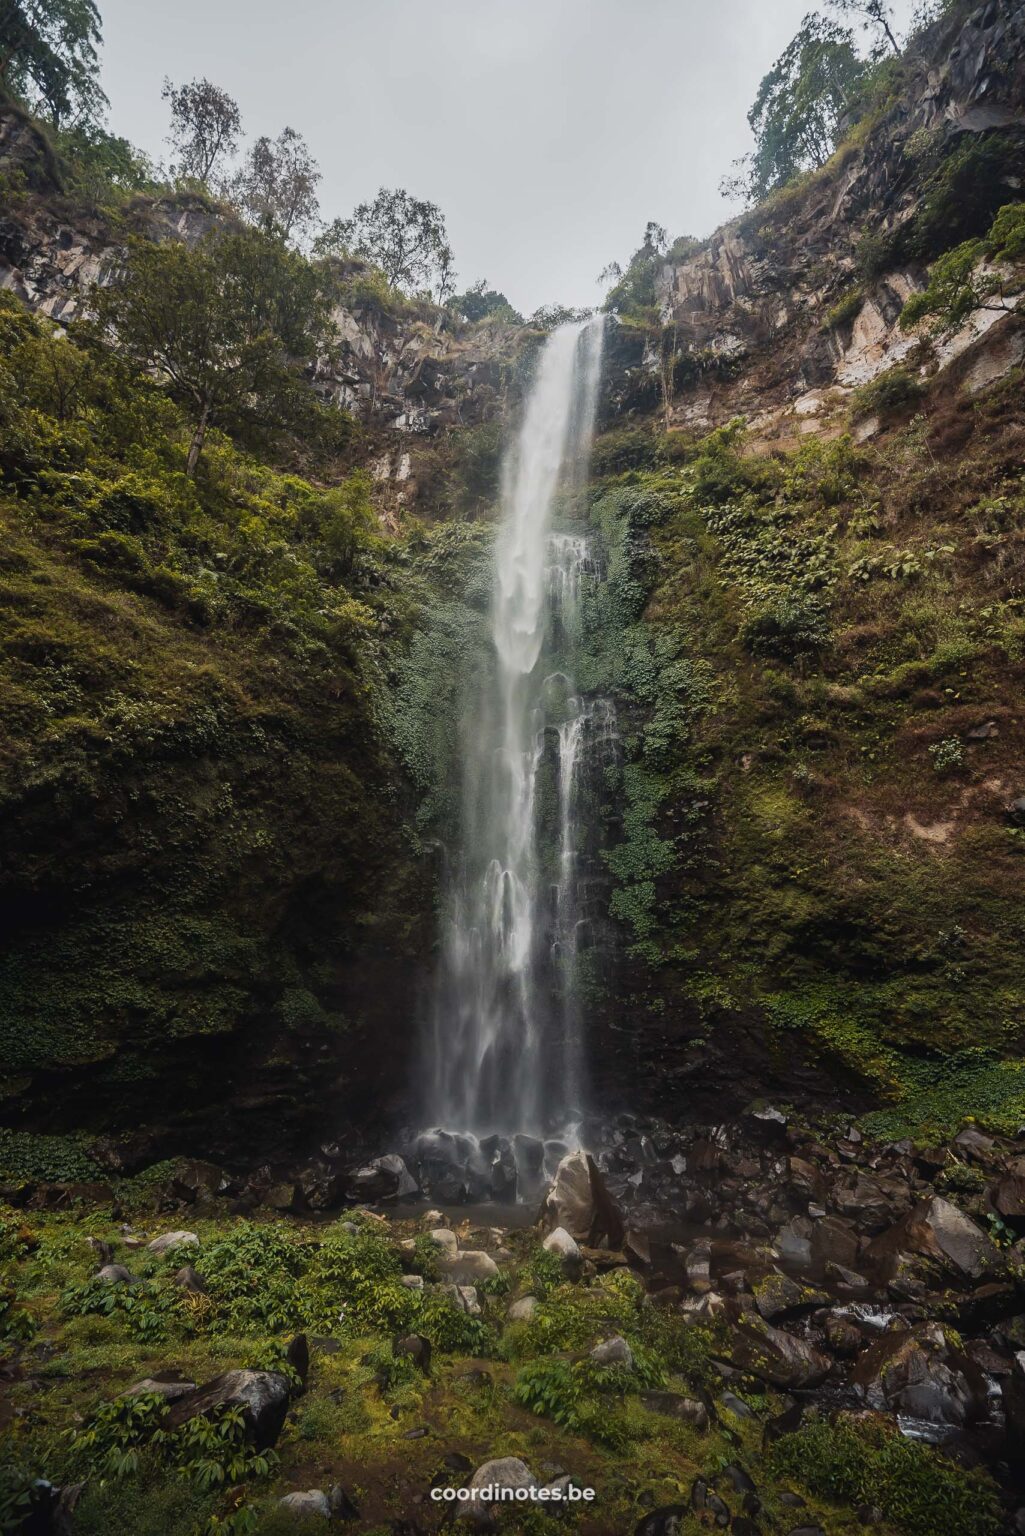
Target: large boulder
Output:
[(262, 1396), (921, 1374), (469, 1266), (579, 1202), (936, 1236), (385, 1178), (753, 1345)]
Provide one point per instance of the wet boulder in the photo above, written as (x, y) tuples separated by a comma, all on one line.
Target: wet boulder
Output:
[(921, 1374), (197, 1181), (385, 1178), (563, 1245)]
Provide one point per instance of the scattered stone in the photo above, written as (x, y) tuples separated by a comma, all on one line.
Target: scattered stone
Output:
[(115, 1274), (772, 1355), (560, 1242), (432, 1218), (469, 1265), (189, 1280), (778, 1296), (311, 1503), (523, 1310), (442, 1238), (578, 1202), (938, 1231), (412, 1282), (676, 1406), (919, 1373), (416, 1347), (169, 1241), (503, 1472), (613, 1351), (669, 1520)]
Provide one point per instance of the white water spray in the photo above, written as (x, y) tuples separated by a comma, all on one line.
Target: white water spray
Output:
[(506, 1054)]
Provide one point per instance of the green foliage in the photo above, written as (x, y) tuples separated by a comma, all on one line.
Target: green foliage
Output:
[(958, 285), (49, 57), (845, 309), (211, 1451), (919, 1491), (788, 626), (544, 1272), (895, 389), (947, 755), (633, 293), (615, 453), (402, 235), (480, 302), (146, 1309), (803, 104), (227, 326), (251, 1277), (27, 1155)]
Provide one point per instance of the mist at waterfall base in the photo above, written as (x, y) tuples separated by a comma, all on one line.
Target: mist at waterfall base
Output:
[(504, 1071)]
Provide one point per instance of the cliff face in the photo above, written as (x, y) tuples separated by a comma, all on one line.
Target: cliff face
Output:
[(787, 309)]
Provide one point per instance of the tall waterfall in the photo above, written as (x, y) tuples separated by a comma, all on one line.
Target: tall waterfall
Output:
[(506, 1053)]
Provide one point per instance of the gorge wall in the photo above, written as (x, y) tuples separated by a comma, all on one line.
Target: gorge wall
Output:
[(228, 775)]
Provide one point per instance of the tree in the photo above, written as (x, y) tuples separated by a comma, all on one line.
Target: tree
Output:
[(801, 108), (205, 127), (276, 188), (225, 326), (875, 13), (479, 301), (635, 289), (48, 56), (403, 235)]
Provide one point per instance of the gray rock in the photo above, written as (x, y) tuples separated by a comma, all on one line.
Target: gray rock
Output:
[(262, 1396), (503, 1472), (447, 1241), (561, 1243), (311, 1503), (470, 1265), (412, 1282), (613, 1351), (189, 1280), (675, 1406), (579, 1203), (169, 1241), (939, 1233), (115, 1274), (522, 1310)]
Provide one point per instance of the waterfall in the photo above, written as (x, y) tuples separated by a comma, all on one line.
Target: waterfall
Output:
[(505, 1049)]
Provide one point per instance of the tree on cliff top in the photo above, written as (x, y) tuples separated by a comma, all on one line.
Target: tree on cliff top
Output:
[(226, 327), (803, 105), (48, 56), (276, 189), (401, 234), (205, 127)]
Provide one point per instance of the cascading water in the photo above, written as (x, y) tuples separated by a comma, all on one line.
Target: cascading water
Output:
[(506, 1057)]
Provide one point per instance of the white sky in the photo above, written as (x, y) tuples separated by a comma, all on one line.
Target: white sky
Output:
[(548, 131)]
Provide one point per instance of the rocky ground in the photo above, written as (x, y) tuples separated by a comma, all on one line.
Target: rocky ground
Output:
[(756, 1326)]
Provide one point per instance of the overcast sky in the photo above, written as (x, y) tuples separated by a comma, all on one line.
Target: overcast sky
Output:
[(548, 131)]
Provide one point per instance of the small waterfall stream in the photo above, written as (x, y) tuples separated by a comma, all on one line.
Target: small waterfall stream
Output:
[(506, 1057)]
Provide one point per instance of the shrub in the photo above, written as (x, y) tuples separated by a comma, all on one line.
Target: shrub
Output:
[(887, 393), (918, 1490), (788, 626), (947, 755)]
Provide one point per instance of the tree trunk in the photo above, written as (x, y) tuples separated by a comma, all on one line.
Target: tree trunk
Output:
[(198, 438)]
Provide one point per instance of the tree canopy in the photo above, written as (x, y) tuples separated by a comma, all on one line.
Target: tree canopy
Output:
[(803, 105), (403, 235), (226, 327), (48, 56), (205, 127), (276, 189)]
